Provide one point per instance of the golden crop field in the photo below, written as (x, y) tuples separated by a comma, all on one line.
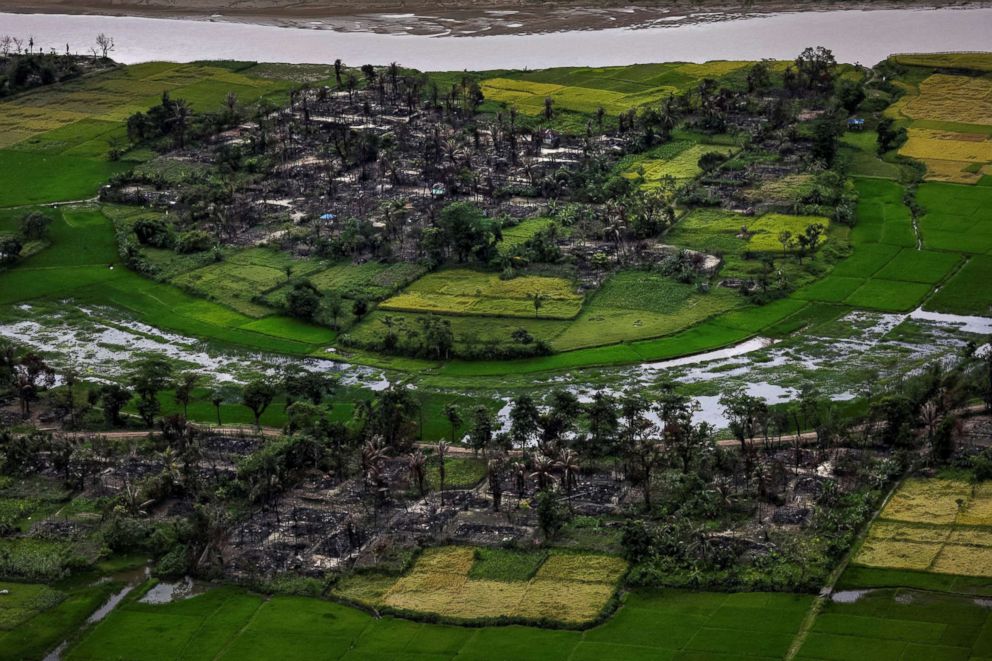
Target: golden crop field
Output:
[(934, 502), (973, 61), (949, 131), (948, 146), (934, 525), (528, 96), (961, 99), (473, 293), (566, 588)]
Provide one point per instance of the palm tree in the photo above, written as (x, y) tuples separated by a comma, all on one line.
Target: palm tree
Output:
[(417, 465), (181, 114), (494, 467), (454, 417), (544, 468), (568, 463), (442, 453), (520, 479), (217, 398)]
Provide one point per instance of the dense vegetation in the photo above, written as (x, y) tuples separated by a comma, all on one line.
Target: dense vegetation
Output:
[(678, 208)]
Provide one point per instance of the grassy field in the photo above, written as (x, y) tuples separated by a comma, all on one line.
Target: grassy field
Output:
[(712, 230), (901, 624), (475, 293), (615, 89), (227, 623), (67, 128), (35, 618), (241, 277), (967, 292), (520, 233), (372, 281), (82, 262), (634, 304), (957, 217), (678, 160)]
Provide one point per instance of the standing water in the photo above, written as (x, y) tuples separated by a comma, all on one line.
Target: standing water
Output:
[(853, 35)]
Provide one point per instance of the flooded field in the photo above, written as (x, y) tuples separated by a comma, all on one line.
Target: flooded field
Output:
[(847, 358)]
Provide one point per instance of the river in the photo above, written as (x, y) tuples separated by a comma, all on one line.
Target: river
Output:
[(865, 36)]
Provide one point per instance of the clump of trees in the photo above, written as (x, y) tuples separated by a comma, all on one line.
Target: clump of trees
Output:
[(24, 65)]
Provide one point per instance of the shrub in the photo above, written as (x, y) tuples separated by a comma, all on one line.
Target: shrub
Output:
[(193, 241)]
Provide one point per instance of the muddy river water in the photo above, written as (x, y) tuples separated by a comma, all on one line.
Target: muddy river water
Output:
[(865, 36)]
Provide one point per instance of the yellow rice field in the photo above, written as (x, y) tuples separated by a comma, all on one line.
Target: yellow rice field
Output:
[(948, 113), (566, 588), (961, 99), (528, 96), (467, 292), (934, 525)]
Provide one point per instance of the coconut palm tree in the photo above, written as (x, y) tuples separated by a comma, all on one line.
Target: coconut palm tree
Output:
[(417, 465), (181, 115), (543, 471), (442, 453), (494, 468), (568, 464)]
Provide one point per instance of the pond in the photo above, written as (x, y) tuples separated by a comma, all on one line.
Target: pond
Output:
[(865, 36)]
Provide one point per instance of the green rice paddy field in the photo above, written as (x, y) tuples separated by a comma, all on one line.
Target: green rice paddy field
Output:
[(67, 128), (633, 317), (227, 623)]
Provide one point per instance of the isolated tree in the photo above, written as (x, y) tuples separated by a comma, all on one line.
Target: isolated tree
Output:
[(568, 464), (179, 121), (480, 436), (454, 418), (417, 465), (758, 77), (537, 299), (785, 238), (816, 68), (551, 514), (603, 424), (34, 226), (105, 44), (745, 415), (335, 305), (185, 385), (442, 471), (303, 300), (524, 420), (148, 378), (113, 397), (217, 399), (257, 395), (494, 469), (644, 455)]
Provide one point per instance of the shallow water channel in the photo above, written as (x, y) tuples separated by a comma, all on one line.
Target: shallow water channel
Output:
[(865, 36), (845, 358)]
